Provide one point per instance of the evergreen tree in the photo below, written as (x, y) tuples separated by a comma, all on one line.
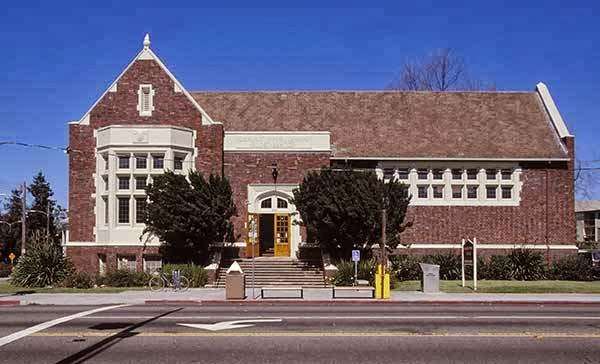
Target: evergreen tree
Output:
[(37, 219), (342, 210), (10, 231), (187, 216)]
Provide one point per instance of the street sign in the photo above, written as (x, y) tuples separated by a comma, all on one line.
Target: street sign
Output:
[(469, 258), (356, 255), (468, 251)]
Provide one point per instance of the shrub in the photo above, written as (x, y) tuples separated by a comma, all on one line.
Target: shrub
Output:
[(124, 278), (497, 267), (5, 270), (450, 264), (527, 265), (78, 280), (572, 268), (406, 267), (195, 273), (345, 273), (42, 265)]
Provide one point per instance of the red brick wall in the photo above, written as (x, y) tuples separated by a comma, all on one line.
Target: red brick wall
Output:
[(243, 169), (530, 222), (86, 258), (120, 108)]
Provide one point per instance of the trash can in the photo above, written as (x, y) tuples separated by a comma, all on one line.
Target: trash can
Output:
[(235, 286), (430, 283)]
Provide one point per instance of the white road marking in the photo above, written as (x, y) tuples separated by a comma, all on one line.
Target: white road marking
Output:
[(228, 325), (454, 317), (44, 325)]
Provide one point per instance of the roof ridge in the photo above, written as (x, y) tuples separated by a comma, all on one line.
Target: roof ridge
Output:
[(365, 91)]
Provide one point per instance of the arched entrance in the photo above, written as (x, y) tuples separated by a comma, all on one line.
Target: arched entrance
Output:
[(269, 223)]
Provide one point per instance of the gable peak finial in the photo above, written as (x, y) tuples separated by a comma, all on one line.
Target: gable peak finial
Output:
[(147, 41)]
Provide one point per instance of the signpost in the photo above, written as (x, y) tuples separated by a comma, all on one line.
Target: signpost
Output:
[(355, 259), (469, 258)]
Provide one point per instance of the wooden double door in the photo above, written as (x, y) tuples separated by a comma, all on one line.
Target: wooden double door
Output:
[(268, 234)]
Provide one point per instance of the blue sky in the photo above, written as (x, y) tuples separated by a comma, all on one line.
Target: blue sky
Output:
[(59, 56)]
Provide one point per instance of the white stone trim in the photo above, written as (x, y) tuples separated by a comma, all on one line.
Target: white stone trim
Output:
[(99, 245), (277, 141), (555, 116), (147, 54), (492, 246), (457, 159)]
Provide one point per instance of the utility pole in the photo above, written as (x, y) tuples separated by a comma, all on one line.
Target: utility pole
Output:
[(23, 217), (383, 241)]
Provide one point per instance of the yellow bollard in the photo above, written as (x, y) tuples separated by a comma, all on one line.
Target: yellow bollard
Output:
[(386, 286), (378, 285)]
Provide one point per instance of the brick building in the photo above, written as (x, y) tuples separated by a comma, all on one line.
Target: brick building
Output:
[(497, 166)]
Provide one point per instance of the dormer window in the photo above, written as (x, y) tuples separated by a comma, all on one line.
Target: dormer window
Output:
[(145, 100)]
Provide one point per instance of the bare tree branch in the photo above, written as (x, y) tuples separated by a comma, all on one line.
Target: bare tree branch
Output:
[(442, 70)]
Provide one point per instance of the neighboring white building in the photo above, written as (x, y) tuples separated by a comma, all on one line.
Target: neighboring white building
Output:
[(587, 214)]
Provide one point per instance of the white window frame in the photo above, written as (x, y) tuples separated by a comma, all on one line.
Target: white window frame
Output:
[(140, 106)]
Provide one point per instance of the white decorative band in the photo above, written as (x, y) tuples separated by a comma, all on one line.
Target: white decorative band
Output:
[(493, 246), (275, 141), (99, 245)]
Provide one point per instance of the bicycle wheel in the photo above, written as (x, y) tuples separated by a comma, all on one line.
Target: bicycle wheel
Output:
[(156, 283), (184, 283)]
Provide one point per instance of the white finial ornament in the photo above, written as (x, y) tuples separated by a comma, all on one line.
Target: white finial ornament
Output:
[(147, 41)]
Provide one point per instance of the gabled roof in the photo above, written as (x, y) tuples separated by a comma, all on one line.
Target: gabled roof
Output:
[(411, 125), (147, 54)]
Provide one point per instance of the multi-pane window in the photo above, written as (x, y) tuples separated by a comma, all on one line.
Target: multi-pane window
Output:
[(457, 192), (140, 183), (506, 174), (141, 162), (158, 161), (438, 191), (589, 226), (152, 264), (490, 192), (422, 173), (506, 192), (123, 210), (472, 192), (178, 163), (105, 183), (457, 174), (105, 203), (123, 183), (422, 191), (105, 161), (403, 173), (281, 203), (266, 203), (140, 210), (388, 173), (438, 173), (126, 262), (490, 174), (471, 174), (123, 162)]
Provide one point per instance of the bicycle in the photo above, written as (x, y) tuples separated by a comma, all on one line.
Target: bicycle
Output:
[(161, 281)]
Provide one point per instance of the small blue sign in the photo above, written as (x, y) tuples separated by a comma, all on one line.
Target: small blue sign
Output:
[(356, 255)]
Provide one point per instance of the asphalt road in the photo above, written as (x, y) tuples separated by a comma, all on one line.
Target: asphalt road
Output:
[(368, 333)]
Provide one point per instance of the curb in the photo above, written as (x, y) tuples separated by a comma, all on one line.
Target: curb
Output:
[(10, 302), (358, 302)]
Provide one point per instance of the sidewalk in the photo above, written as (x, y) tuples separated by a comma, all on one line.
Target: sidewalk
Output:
[(311, 295)]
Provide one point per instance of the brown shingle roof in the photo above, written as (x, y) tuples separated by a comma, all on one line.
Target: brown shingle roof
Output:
[(399, 124)]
